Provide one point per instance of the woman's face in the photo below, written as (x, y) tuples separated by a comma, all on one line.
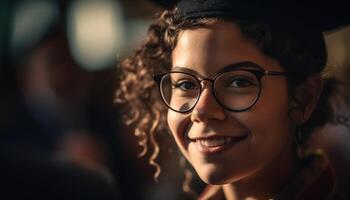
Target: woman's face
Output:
[(224, 146)]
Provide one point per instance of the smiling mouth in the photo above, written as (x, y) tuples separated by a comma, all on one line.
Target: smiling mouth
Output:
[(215, 145)]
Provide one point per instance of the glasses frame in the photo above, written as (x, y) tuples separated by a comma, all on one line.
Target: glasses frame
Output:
[(258, 73)]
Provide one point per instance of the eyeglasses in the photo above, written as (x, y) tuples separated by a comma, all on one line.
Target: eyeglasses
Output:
[(235, 89)]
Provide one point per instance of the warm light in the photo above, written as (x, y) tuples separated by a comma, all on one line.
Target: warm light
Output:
[(96, 32)]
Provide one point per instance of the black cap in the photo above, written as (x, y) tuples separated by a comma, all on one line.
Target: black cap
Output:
[(302, 21), (321, 15), (168, 4)]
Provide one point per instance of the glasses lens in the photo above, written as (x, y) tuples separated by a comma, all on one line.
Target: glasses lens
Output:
[(180, 91), (237, 90)]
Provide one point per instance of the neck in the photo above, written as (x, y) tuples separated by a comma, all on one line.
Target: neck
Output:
[(267, 182)]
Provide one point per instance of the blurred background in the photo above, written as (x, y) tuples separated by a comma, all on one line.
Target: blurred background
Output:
[(61, 135)]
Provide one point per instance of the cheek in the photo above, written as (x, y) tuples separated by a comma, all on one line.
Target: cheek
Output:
[(270, 122), (179, 125)]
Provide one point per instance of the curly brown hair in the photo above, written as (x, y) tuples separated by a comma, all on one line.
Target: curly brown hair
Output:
[(138, 91)]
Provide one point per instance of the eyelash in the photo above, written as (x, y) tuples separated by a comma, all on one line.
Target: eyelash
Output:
[(245, 79), (178, 84)]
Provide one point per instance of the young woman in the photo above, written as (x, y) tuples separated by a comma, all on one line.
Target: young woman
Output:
[(240, 92)]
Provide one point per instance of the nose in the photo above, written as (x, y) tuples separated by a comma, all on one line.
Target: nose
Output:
[(207, 107)]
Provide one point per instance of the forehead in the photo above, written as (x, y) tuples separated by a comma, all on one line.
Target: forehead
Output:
[(209, 48)]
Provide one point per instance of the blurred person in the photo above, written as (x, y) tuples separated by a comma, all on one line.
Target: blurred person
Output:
[(56, 94), (64, 118), (242, 92), (26, 172), (54, 88)]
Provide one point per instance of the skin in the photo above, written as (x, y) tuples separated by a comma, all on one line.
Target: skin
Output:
[(265, 160)]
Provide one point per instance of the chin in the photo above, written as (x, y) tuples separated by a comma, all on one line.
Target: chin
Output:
[(223, 174), (215, 180), (217, 177)]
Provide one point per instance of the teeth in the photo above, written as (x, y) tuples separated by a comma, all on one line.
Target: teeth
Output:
[(215, 142)]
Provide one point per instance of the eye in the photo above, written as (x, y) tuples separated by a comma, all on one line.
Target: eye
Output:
[(240, 82), (185, 85)]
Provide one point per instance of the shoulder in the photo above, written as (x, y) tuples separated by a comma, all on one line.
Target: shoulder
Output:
[(317, 178)]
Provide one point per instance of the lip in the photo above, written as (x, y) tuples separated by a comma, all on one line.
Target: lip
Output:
[(210, 145)]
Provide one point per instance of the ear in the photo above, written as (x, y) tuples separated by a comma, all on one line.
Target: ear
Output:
[(305, 99)]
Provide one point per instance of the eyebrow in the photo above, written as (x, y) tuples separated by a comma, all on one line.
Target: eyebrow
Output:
[(185, 69), (239, 65), (227, 68)]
